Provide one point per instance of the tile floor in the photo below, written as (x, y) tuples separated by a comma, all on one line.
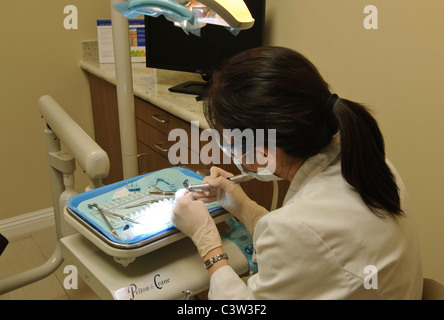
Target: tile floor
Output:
[(31, 250)]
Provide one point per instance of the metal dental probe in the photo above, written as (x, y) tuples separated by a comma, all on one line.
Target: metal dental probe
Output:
[(120, 216), (104, 218), (205, 186), (144, 203), (163, 193)]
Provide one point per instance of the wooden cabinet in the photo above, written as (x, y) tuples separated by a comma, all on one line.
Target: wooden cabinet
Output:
[(106, 124), (153, 125)]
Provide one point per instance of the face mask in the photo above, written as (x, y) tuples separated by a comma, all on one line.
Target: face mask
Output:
[(263, 175)]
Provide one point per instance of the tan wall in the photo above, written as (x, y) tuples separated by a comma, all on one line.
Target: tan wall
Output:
[(398, 71), (39, 56)]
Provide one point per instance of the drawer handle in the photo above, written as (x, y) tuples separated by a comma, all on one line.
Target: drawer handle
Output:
[(158, 146), (157, 118), (140, 156)]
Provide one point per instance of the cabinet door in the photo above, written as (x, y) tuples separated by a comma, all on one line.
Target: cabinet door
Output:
[(106, 124)]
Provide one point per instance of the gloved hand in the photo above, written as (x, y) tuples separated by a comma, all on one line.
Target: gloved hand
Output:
[(193, 219), (231, 197)]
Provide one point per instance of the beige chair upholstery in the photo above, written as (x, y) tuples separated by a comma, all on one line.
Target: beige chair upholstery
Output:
[(432, 290)]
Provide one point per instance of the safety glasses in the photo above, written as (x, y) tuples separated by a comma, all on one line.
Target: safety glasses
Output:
[(237, 151)]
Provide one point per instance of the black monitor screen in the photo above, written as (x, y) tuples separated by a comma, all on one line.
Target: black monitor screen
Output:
[(169, 47)]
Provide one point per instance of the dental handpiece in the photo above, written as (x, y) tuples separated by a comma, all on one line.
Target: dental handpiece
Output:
[(205, 186)]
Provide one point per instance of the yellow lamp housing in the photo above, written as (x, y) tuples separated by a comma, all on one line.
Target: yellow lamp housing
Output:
[(234, 12)]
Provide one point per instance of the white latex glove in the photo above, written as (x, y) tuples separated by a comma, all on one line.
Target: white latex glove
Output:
[(231, 197), (193, 219)]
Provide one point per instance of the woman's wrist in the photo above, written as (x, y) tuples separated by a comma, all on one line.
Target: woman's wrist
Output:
[(249, 213), (221, 263)]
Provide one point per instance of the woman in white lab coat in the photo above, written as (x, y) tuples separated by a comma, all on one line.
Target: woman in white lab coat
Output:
[(345, 230)]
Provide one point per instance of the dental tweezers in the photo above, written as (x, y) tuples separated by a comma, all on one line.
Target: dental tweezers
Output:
[(105, 218), (120, 216)]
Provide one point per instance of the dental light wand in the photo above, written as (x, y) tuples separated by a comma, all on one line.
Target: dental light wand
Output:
[(205, 186)]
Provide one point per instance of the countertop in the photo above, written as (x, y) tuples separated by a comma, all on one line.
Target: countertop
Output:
[(151, 85)]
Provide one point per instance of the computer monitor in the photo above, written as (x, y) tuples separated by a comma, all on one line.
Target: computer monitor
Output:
[(169, 47)]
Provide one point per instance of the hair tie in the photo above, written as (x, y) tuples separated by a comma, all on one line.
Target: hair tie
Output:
[(331, 102)]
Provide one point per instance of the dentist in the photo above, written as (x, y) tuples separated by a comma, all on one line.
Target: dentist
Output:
[(346, 208)]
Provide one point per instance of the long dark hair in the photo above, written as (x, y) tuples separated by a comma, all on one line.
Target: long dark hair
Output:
[(278, 88)]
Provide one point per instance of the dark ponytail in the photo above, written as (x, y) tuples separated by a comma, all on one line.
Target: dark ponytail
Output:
[(278, 88), (363, 161)]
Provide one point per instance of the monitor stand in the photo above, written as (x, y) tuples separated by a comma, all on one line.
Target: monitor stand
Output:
[(191, 87)]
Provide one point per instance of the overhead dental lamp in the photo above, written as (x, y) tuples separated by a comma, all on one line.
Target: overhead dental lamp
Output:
[(234, 12), (192, 15)]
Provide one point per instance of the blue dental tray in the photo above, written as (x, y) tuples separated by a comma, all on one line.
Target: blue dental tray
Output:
[(148, 213)]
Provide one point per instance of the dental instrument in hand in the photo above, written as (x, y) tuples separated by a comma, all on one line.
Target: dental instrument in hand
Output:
[(205, 186), (104, 218)]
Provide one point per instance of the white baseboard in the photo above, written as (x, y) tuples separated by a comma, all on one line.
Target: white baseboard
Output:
[(28, 222)]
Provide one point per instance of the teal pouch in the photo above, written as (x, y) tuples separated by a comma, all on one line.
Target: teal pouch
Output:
[(242, 238)]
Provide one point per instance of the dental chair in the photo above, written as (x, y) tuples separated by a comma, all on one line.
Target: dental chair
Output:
[(93, 160), (168, 268)]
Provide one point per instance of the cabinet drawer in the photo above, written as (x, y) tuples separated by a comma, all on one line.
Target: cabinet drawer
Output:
[(158, 118), (150, 160), (158, 142), (155, 138), (151, 136)]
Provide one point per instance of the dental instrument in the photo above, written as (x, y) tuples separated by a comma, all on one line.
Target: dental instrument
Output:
[(205, 186), (120, 216), (163, 193), (142, 203), (104, 218)]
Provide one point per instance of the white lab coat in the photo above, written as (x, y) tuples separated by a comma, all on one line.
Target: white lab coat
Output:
[(324, 243)]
